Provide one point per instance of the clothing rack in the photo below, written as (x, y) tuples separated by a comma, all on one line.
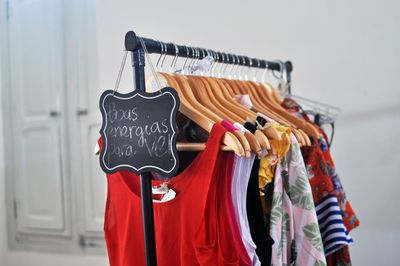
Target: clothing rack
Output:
[(133, 44)]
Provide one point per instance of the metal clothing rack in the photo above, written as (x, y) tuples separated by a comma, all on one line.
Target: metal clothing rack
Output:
[(134, 45)]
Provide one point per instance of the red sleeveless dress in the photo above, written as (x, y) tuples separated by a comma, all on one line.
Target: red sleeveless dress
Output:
[(187, 228)]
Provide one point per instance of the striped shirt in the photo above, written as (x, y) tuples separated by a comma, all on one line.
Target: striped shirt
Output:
[(330, 220)]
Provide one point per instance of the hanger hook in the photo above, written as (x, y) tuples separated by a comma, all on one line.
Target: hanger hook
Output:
[(211, 54), (237, 71), (217, 62), (165, 55), (219, 74), (214, 56), (203, 54), (230, 73), (229, 63), (246, 75), (263, 80), (242, 72), (236, 67), (233, 65), (226, 63), (191, 55), (196, 56), (242, 68), (281, 66), (284, 72), (187, 57), (258, 68), (173, 63), (161, 54)]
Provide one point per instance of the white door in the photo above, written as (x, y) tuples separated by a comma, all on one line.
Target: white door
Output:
[(38, 115), (93, 178)]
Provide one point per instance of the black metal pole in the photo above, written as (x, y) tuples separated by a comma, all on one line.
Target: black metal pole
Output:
[(148, 220), (158, 47), (138, 63)]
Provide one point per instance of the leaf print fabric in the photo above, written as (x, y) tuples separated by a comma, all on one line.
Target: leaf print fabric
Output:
[(311, 231), (276, 212), (301, 194), (294, 225), (319, 263)]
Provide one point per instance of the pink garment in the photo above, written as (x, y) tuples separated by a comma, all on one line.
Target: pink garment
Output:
[(294, 225), (228, 125)]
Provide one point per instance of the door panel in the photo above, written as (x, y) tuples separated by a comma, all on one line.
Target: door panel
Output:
[(95, 183), (40, 203)]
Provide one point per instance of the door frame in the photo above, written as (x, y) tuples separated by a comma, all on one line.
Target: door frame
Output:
[(6, 119)]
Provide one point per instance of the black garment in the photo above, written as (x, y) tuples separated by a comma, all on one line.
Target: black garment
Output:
[(261, 120), (259, 232), (268, 191)]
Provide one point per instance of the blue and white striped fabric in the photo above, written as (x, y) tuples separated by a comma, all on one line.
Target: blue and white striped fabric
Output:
[(333, 232)]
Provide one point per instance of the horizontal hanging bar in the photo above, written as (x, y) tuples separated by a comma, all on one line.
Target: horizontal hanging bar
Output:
[(132, 43)]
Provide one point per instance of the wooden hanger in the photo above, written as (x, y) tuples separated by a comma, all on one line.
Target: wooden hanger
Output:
[(249, 114), (218, 107), (271, 99), (231, 142), (308, 128), (191, 90), (241, 88), (246, 114), (215, 87), (209, 101), (246, 87), (230, 95), (272, 94), (262, 102)]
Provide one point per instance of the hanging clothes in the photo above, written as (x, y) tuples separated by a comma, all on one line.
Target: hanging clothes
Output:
[(186, 226), (275, 200), (294, 225), (241, 176), (259, 232), (226, 212), (335, 214)]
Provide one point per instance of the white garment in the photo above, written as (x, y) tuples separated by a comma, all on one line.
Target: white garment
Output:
[(244, 99), (241, 175)]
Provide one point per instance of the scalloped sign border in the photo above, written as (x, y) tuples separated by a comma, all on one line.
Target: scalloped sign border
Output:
[(144, 119)]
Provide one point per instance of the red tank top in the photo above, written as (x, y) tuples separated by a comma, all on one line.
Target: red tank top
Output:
[(229, 217), (187, 228)]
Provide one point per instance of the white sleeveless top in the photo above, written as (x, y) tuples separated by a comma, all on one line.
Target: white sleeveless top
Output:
[(241, 175)]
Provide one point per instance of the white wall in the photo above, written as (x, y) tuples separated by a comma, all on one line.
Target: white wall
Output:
[(344, 52)]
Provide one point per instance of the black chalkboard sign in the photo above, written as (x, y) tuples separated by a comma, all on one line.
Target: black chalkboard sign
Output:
[(139, 132)]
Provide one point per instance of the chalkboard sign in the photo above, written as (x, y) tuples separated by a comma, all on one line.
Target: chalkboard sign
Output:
[(139, 132)]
